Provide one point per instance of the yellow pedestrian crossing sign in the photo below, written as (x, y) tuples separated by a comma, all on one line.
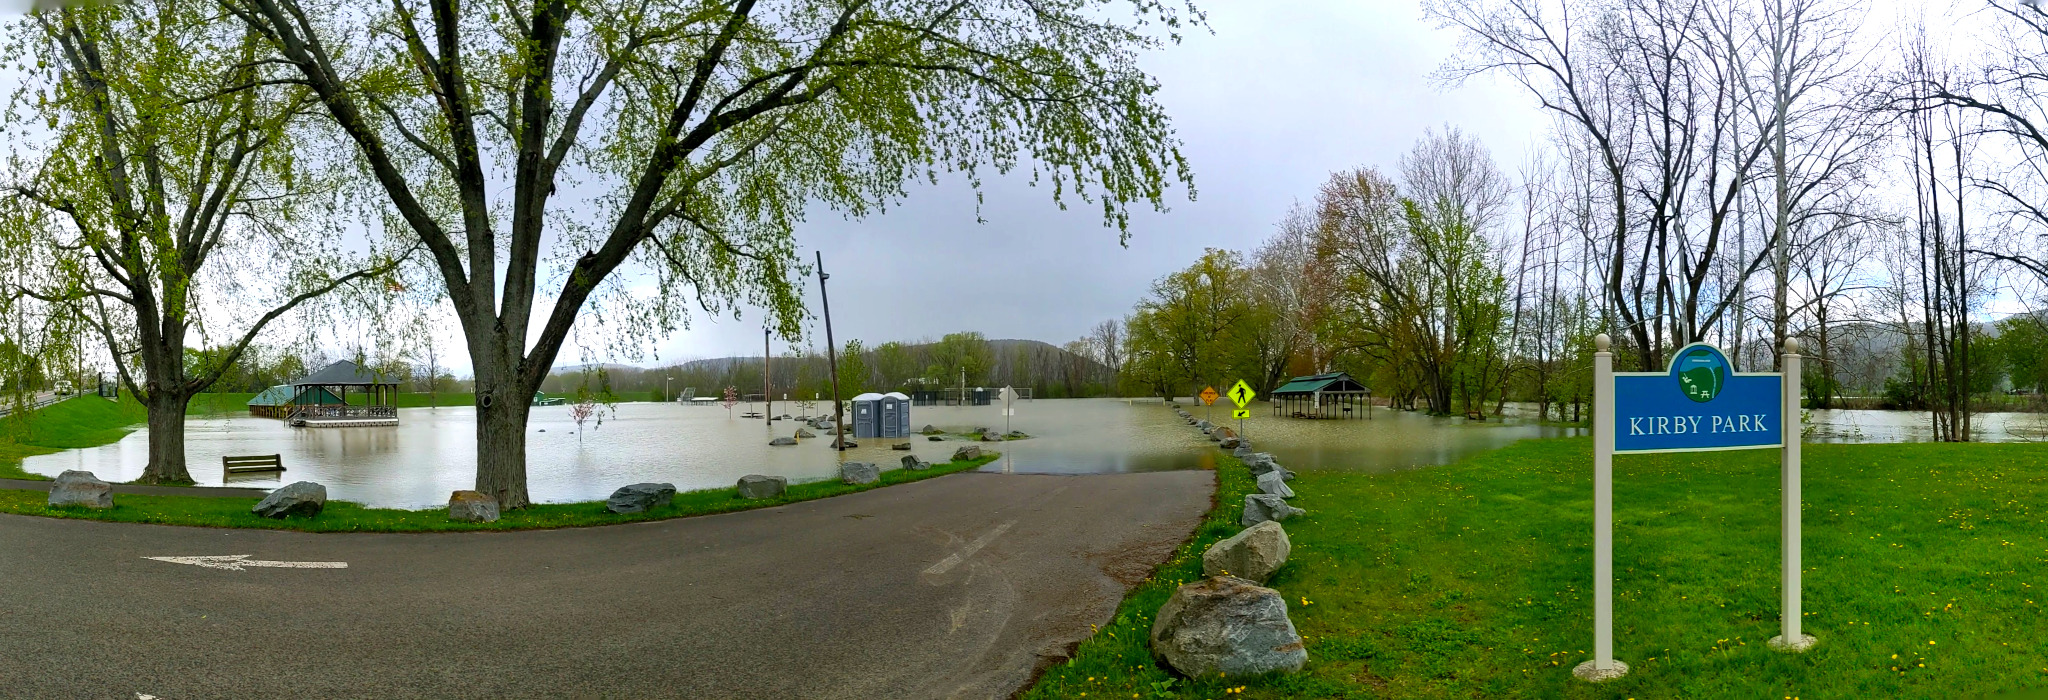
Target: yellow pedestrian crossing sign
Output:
[(1241, 413), (1242, 394)]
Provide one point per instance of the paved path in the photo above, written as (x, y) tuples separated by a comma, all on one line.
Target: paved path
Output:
[(955, 587)]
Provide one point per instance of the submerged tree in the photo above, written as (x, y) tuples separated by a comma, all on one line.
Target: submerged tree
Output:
[(170, 150), (687, 138)]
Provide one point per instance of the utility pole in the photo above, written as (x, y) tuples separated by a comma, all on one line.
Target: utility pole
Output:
[(831, 359), (767, 414)]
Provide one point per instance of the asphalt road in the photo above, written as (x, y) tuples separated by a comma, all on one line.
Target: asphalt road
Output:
[(956, 587)]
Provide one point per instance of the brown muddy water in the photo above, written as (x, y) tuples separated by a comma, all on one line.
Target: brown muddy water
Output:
[(432, 452)]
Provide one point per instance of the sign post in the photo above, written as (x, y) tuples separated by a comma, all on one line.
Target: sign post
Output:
[(1241, 394), (1698, 404), (1791, 639), (1603, 666)]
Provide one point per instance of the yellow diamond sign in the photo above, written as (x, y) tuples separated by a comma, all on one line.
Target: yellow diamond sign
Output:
[(1242, 393)]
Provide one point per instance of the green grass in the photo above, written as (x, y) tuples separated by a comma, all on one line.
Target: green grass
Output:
[(1472, 580), (1117, 662), (343, 516), (86, 421)]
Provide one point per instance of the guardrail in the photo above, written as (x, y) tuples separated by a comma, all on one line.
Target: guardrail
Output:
[(347, 412), (7, 406)]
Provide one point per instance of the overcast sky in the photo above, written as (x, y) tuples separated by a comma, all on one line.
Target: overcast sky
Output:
[(1280, 95)]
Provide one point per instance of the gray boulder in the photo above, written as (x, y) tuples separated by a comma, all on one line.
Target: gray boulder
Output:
[(303, 498), (859, 473), (758, 486), (991, 436), (930, 430), (936, 438), (1015, 435), (1205, 425), (472, 507), (966, 453), (800, 432), (900, 446), (1229, 443), (1262, 507), (782, 442), (849, 444), (640, 498), (1273, 483), (912, 463), (1229, 626), (1252, 555), (77, 488)]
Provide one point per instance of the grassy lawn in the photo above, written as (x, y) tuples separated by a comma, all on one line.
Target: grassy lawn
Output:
[(1927, 574), (81, 422), (343, 516)]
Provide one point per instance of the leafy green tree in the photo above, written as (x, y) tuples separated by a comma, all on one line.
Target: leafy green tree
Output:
[(853, 370), (955, 352), (1189, 327), (686, 138), (895, 364), (173, 150), (2023, 345)]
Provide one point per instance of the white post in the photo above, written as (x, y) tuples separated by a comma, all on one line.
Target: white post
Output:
[(1792, 639), (1603, 666)]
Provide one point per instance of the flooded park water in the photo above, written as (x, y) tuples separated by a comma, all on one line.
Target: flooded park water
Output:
[(432, 452)]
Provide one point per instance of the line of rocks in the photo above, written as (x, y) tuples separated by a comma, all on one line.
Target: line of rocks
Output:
[(1227, 623), (81, 489)]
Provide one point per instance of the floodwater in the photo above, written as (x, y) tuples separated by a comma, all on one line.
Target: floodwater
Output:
[(1847, 426), (432, 452), (1387, 441)]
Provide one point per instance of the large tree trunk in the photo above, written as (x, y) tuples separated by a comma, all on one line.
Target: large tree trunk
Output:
[(501, 410), (166, 439)]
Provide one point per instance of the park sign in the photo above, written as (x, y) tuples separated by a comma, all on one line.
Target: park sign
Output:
[(1698, 404)]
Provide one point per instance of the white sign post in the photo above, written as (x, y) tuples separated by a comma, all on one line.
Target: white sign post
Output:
[(1699, 404), (1603, 666), (1791, 639)]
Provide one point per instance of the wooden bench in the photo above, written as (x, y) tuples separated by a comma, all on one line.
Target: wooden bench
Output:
[(251, 463)]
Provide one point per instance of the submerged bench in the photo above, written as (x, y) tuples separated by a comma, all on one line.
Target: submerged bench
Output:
[(251, 463)]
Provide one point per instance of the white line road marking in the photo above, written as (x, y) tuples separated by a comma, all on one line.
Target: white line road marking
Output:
[(235, 562), (949, 562)]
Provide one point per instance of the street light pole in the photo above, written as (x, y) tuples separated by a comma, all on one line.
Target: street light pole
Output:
[(831, 359), (664, 388)]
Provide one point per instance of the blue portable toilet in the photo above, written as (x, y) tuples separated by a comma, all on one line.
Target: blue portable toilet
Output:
[(895, 414), (867, 412), (881, 415)]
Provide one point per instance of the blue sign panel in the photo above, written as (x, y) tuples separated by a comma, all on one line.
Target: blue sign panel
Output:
[(1701, 403)]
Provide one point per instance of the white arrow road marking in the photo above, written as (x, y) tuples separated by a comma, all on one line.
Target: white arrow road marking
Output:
[(235, 562), (949, 562)]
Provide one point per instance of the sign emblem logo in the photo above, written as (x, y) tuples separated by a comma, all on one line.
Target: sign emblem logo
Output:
[(1701, 374)]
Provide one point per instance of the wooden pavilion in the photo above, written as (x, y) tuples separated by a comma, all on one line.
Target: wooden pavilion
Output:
[(1328, 395), (321, 399)]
